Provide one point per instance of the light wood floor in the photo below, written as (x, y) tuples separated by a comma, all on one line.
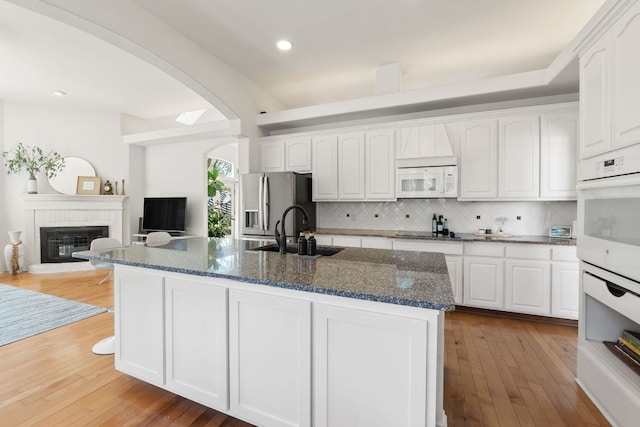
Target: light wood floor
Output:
[(498, 372)]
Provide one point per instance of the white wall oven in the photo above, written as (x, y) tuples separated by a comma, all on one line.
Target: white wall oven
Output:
[(609, 224)]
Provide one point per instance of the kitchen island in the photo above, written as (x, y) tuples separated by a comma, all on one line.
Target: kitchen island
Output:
[(355, 338)]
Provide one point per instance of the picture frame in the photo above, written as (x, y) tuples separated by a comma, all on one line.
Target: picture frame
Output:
[(88, 185)]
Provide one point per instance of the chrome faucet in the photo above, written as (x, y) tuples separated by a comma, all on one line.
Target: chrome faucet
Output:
[(281, 237)]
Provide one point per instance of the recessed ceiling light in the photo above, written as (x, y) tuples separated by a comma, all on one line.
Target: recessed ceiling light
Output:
[(284, 45), (59, 93)]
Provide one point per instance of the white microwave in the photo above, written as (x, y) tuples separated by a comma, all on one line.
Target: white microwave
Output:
[(427, 182), (609, 224)]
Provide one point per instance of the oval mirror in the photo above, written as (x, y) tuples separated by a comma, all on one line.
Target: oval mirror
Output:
[(65, 182)]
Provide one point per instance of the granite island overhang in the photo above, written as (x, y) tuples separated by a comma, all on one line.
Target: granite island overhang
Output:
[(356, 338), (417, 279)]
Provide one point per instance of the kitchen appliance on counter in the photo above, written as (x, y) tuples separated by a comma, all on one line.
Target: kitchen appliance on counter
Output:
[(265, 196), (427, 178)]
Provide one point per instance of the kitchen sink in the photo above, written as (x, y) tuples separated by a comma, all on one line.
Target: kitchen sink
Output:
[(290, 249)]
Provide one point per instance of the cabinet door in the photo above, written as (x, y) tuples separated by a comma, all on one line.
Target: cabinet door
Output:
[(196, 341), (272, 156), (479, 160), (484, 282), (351, 176), (519, 158), (558, 148), (454, 267), (380, 169), (370, 369), (270, 359), (139, 304), (528, 287), (625, 61), (595, 101), (325, 168), (298, 155), (565, 289)]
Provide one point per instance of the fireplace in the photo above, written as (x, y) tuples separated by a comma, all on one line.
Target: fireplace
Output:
[(58, 243)]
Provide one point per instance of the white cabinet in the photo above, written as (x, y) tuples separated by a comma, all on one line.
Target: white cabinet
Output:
[(423, 140), (558, 151), (625, 79), (454, 267), (139, 306), (325, 168), (479, 160), (270, 358), (595, 102), (272, 155), (347, 241), (376, 242), (484, 282), (354, 166), (610, 88), (370, 369), (351, 166), (528, 286), (196, 341), (565, 282), (380, 165), (519, 157), (298, 154)]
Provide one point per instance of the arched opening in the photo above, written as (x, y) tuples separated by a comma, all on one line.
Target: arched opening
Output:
[(222, 191)]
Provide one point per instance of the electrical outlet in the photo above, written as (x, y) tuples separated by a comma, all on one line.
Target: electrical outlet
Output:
[(407, 216), (375, 215), (477, 216), (541, 221), (518, 217)]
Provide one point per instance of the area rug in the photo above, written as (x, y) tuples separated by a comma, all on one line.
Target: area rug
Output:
[(24, 313)]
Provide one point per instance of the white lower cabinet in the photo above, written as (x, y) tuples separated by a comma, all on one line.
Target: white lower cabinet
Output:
[(528, 286), (370, 369), (565, 289), (484, 282), (270, 358), (139, 325), (196, 341), (454, 266)]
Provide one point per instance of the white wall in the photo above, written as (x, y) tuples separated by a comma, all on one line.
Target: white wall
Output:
[(180, 170)]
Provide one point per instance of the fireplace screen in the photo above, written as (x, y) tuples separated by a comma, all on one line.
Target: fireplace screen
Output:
[(58, 243)]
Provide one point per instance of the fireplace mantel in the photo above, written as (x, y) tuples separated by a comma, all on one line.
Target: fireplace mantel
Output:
[(52, 210)]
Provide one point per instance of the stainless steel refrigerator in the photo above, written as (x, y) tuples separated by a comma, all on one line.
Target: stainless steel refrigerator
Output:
[(265, 196)]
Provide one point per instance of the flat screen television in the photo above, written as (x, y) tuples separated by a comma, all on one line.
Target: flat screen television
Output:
[(164, 214)]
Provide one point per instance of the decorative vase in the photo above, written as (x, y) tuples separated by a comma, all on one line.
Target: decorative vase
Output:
[(14, 253), (32, 185)]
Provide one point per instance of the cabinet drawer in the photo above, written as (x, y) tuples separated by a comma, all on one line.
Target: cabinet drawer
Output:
[(377, 242), (447, 248), (529, 252), (564, 253), (346, 241), (626, 304), (484, 249)]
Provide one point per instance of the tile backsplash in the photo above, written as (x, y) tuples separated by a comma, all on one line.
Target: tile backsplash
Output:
[(416, 214)]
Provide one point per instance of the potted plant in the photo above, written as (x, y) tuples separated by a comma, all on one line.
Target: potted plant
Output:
[(32, 160)]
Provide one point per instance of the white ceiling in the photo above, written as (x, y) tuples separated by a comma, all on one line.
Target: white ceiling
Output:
[(337, 46)]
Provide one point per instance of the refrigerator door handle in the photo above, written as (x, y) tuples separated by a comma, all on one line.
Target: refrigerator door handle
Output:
[(265, 210), (260, 203)]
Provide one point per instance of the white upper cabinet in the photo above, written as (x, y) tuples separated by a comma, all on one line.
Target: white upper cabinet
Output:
[(298, 154), (558, 149), (351, 166), (325, 168), (595, 105), (519, 157), (423, 140), (625, 76), (479, 159), (272, 156), (380, 165), (610, 88)]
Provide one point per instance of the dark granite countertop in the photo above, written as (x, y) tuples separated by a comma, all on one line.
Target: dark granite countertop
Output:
[(417, 279), (460, 237)]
